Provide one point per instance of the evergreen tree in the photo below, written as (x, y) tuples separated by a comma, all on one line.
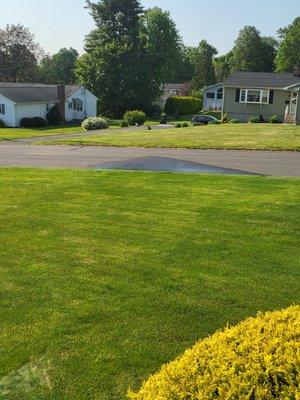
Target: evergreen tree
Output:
[(59, 68)]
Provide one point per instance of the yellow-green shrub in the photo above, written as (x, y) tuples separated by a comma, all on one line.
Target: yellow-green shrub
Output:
[(255, 360)]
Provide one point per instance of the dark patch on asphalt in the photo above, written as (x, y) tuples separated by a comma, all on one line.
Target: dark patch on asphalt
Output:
[(153, 163)]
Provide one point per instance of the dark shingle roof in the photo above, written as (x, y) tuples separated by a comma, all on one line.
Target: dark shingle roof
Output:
[(261, 80), (33, 92)]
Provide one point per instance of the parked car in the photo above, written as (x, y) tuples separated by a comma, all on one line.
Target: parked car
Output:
[(203, 119)]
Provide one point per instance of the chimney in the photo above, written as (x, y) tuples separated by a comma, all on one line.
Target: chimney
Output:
[(297, 72), (61, 95)]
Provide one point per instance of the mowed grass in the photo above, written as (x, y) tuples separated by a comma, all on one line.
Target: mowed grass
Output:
[(107, 275), (227, 136), (19, 133)]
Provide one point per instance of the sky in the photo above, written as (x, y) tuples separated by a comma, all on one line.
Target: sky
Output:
[(64, 23)]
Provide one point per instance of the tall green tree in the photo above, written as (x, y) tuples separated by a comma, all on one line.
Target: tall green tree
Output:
[(60, 68), (117, 57), (288, 55), (252, 52), (162, 43), (185, 67), (19, 54), (223, 66), (202, 58)]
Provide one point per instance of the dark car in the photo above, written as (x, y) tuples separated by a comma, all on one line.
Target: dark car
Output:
[(203, 119)]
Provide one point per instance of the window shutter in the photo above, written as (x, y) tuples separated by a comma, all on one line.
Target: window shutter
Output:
[(237, 95), (271, 98)]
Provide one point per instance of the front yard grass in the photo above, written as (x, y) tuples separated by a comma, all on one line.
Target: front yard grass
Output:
[(105, 276), (227, 136), (20, 133)]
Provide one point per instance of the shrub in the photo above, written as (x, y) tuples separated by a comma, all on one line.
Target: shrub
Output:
[(185, 125), (256, 119), (224, 118), (214, 122), (135, 117), (178, 125), (124, 124), (2, 124), (234, 121), (93, 123), (54, 117), (38, 122), (180, 105), (256, 359), (27, 122), (274, 119)]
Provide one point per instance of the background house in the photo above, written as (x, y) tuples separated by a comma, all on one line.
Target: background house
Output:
[(20, 100), (213, 97), (248, 94)]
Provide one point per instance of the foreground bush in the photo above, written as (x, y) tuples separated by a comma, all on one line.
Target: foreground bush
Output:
[(255, 360), (135, 117), (93, 123), (180, 105)]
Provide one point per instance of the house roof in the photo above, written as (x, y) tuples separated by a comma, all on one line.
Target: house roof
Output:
[(211, 86), (172, 86), (261, 80), (33, 92)]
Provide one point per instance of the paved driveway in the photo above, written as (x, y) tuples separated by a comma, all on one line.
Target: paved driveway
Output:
[(179, 160)]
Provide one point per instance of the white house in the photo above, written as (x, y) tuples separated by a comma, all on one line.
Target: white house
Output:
[(20, 100), (213, 97)]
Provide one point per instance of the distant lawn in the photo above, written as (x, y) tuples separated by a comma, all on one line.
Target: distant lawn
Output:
[(19, 133), (229, 136), (107, 275)]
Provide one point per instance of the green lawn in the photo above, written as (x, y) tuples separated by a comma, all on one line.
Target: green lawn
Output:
[(19, 133), (107, 275), (228, 136)]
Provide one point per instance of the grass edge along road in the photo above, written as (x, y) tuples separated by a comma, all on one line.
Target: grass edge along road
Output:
[(105, 276), (229, 136)]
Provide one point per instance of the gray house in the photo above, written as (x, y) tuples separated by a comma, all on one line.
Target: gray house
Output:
[(213, 97), (249, 94)]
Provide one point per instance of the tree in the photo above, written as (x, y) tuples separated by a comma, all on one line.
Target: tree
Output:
[(202, 58), (252, 52), (60, 68), (116, 56), (223, 66), (288, 55), (185, 68), (162, 43), (19, 54)]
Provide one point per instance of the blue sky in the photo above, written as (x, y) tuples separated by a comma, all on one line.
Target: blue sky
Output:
[(64, 23)]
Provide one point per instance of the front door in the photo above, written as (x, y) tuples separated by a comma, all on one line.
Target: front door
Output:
[(293, 103)]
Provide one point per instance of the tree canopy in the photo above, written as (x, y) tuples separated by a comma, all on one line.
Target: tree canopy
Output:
[(19, 54), (288, 55), (204, 70), (60, 68)]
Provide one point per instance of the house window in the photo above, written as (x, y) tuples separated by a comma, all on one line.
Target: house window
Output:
[(2, 109), (210, 95), (220, 94), (256, 96)]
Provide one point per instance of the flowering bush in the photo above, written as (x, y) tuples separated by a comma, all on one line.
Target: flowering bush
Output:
[(257, 359), (92, 123)]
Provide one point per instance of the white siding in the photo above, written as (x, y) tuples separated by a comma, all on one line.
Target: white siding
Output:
[(212, 103), (89, 105), (9, 117), (30, 111)]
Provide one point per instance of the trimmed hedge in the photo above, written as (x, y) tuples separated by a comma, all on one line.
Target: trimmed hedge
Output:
[(257, 359), (135, 117), (180, 105), (35, 122), (93, 123)]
